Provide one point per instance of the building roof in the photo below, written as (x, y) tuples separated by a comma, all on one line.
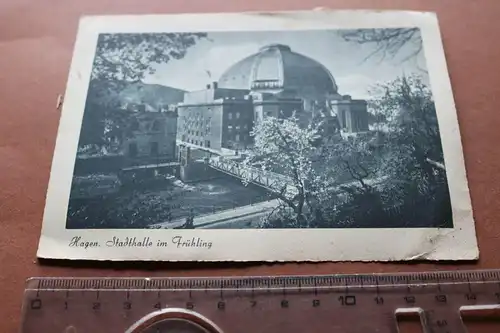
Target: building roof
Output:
[(277, 67), (212, 94)]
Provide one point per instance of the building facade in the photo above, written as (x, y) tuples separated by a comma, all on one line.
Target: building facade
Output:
[(274, 82), (153, 137), (215, 118), (351, 114)]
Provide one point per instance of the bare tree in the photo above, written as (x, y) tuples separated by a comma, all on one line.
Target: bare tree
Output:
[(129, 57), (387, 42)]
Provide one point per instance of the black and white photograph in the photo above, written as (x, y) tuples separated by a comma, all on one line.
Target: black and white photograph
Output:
[(324, 128)]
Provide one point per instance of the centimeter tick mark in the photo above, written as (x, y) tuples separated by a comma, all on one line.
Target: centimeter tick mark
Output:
[(38, 288), (469, 285)]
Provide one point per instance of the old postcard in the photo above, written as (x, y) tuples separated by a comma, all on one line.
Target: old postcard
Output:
[(283, 136)]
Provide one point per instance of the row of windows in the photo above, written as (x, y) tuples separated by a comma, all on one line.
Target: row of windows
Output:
[(198, 117), (197, 123), (207, 130), (201, 143), (199, 133), (236, 137), (266, 85), (206, 143), (230, 127), (230, 115)]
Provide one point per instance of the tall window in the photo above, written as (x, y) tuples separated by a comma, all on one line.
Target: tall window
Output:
[(155, 149), (342, 118), (155, 126), (229, 116), (237, 115), (132, 149), (237, 137), (134, 126)]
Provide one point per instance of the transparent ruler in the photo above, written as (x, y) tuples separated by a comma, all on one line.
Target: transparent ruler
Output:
[(447, 302)]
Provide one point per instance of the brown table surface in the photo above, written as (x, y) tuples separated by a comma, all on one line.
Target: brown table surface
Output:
[(36, 43)]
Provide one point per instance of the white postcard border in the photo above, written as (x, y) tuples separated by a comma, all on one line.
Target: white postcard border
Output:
[(459, 243)]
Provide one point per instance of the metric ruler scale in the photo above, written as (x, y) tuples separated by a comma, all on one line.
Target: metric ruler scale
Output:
[(439, 301)]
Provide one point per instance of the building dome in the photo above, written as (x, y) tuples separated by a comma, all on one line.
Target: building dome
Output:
[(277, 68)]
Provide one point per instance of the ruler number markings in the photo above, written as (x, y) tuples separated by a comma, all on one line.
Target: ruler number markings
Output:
[(96, 306), (284, 291), (441, 298), (410, 299), (127, 305), (36, 304), (344, 300), (349, 300), (470, 296)]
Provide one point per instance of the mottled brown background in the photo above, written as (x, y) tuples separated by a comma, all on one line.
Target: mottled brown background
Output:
[(36, 42)]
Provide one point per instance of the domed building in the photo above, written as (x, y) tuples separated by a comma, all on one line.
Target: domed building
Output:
[(276, 69), (273, 82)]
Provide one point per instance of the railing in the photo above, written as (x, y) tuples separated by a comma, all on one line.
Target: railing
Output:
[(270, 180)]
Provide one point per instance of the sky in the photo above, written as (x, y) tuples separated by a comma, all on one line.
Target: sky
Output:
[(354, 74)]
